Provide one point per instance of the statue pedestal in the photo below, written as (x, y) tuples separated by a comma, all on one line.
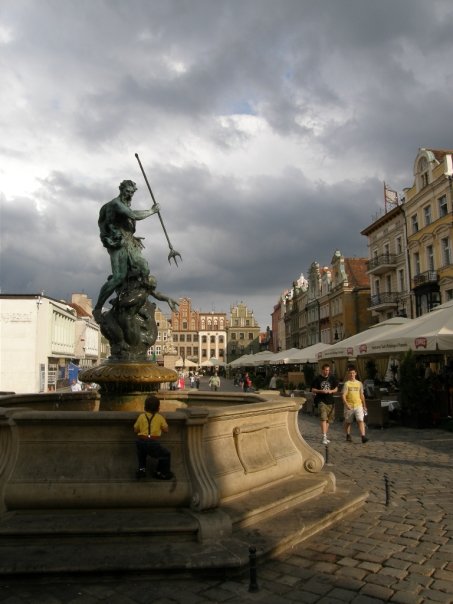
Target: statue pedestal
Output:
[(124, 386)]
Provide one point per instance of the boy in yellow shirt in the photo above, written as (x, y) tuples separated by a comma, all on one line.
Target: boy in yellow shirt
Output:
[(354, 405), (149, 427)]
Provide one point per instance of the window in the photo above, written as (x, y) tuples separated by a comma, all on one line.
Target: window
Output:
[(195, 352), (212, 339), (399, 245), (250, 335), (449, 294), (184, 324), (430, 258), (189, 351), (233, 336), (175, 337), (427, 214), (221, 352), (416, 263), (241, 336), (386, 249), (377, 287), (204, 339), (388, 281), (443, 207), (182, 337), (414, 223), (220, 339), (446, 252), (158, 336)]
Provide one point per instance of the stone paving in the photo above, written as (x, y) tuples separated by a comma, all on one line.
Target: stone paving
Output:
[(397, 548)]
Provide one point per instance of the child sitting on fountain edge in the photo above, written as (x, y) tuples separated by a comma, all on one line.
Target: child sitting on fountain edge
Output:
[(149, 427)]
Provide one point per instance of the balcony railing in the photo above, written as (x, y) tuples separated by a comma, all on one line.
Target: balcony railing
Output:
[(426, 277), (386, 299), (381, 263)]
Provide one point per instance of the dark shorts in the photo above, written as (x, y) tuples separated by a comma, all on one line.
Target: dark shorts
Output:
[(326, 412)]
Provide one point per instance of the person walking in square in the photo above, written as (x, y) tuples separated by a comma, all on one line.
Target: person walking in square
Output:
[(149, 427), (324, 387), (214, 382), (354, 405)]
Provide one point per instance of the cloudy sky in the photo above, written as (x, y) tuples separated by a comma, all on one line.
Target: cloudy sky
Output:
[(266, 130)]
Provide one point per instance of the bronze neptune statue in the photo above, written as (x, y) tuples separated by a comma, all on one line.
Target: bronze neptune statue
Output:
[(129, 325)]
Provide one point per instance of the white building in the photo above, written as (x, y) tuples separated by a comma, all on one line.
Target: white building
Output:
[(37, 342)]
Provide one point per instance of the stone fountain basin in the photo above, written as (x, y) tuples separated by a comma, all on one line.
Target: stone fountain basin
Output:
[(80, 459)]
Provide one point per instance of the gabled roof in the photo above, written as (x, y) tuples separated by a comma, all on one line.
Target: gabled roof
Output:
[(356, 269), (439, 154)]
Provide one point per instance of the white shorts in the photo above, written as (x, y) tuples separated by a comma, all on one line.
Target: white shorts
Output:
[(349, 414)]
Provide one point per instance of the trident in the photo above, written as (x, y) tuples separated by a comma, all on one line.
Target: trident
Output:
[(173, 253)]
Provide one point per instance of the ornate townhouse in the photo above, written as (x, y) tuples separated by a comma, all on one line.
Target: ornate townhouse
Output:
[(428, 210), (410, 247), (212, 336), (243, 332), (184, 325), (387, 266), (164, 342), (331, 305)]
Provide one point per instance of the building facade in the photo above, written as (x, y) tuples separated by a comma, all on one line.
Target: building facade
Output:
[(184, 326), (387, 266), (428, 211), (243, 332), (164, 342), (212, 336), (331, 305), (37, 344)]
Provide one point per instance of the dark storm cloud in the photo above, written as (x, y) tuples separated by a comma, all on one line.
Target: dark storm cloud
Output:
[(267, 129)]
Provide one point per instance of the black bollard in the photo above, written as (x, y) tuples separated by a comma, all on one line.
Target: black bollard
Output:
[(387, 489), (253, 586)]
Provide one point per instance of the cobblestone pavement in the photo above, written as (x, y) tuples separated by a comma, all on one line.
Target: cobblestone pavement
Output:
[(399, 552)]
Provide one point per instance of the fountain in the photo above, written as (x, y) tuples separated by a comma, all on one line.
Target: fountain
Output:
[(69, 499)]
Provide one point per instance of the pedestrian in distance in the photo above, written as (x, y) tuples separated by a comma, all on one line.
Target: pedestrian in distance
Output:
[(324, 386), (273, 382), (354, 405), (214, 382), (149, 427), (247, 383)]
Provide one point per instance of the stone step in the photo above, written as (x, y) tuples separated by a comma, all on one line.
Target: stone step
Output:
[(158, 542), (258, 505)]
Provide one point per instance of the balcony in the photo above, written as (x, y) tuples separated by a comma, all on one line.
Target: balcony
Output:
[(381, 264), (425, 278), (385, 300)]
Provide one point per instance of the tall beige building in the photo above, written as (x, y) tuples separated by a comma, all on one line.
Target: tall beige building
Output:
[(428, 211), (387, 266), (243, 332)]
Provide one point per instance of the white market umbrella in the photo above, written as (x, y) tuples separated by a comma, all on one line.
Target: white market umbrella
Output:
[(185, 363), (430, 332), (212, 362), (358, 343), (310, 354)]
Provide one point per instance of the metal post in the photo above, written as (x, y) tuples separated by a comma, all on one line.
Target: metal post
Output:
[(253, 586), (387, 490), (327, 454)]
